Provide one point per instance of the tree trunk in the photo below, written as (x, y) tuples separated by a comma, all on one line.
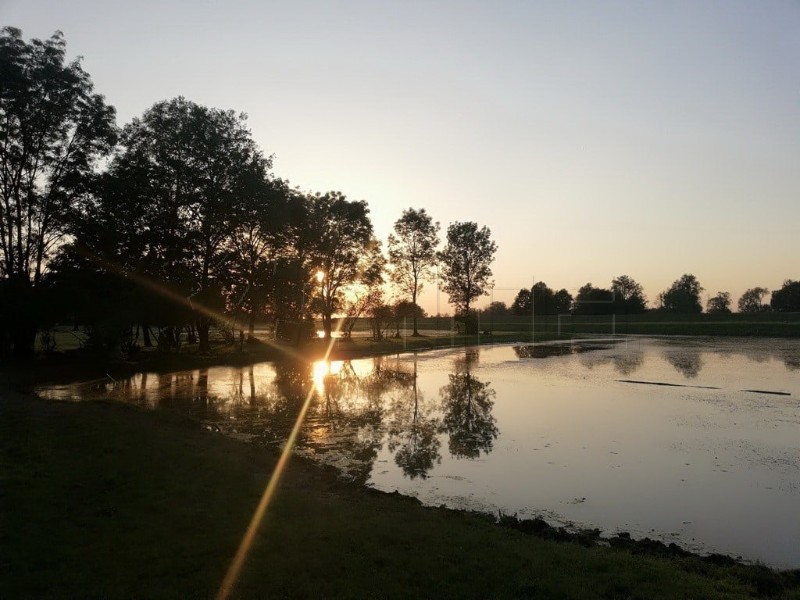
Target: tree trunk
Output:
[(203, 325), (146, 336), (327, 325), (251, 325), (414, 308), (23, 339)]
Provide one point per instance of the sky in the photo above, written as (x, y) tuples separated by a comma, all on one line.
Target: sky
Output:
[(594, 139)]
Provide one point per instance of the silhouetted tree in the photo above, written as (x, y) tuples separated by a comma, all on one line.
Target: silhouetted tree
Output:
[(53, 130), (562, 300), (497, 309), (593, 301), (198, 166), (412, 252), (752, 300), (366, 296), (683, 296), (787, 299), (629, 295), (522, 303), (404, 310), (263, 237), (543, 299), (466, 261), (719, 304), (341, 236)]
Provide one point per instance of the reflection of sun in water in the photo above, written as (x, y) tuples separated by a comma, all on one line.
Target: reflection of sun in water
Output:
[(323, 368)]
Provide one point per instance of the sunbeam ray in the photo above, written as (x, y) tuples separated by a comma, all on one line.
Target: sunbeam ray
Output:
[(232, 575)]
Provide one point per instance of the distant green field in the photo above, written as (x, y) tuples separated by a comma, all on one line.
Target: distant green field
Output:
[(567, 326), (765, 324)]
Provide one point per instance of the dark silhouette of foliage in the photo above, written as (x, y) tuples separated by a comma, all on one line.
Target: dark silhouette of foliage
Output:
[(545, 301), (719, 304), (522, 303), (787, 299), (340, 237), (466, 261), (195, 168), (54, 128), (752, 300), (628, 294), (412, 252), (563, 302), (594, 301), (497, 309), (683, 296)]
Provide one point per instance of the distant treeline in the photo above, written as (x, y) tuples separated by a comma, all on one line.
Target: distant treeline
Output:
[(152, 233), (626, 296)]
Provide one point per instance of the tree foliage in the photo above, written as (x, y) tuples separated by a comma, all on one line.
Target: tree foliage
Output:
[(683, 296), (412, 252), (53, 130), (787, 299), (628, 295), (339, 249), (594, 301), (466, 261), (752, 300), (719, 304)]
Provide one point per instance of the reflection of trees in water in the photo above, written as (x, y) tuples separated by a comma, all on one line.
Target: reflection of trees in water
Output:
[(349, 414), (467, 404), (791, 361), (688, 362), (413, 433), (629, 362)]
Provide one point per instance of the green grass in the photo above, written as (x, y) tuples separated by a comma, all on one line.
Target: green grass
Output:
[(108, 501)]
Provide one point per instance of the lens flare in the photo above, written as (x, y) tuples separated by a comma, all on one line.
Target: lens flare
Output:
[(232, 575)]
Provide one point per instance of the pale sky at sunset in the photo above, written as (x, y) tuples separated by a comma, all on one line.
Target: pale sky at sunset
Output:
[(592, 138)]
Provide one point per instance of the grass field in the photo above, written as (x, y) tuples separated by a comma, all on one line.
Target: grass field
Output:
[(108, 501), (542, 327)]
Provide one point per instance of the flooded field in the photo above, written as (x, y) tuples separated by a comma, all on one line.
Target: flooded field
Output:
[(690, 440)]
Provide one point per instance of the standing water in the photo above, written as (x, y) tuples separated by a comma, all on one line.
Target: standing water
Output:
[(694, 441)]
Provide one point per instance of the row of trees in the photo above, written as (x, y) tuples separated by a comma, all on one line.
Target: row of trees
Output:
[(175, 223), (626, 296)]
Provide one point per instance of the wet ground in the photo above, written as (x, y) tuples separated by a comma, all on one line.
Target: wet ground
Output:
[(690, 440)]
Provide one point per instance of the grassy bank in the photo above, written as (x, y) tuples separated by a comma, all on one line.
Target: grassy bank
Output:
[(102, 500)]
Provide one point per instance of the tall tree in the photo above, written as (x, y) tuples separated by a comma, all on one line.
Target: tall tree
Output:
[(53, 129), (262, 240), (719, 304), (752, 300), (196, 167), (412, 252), (683, 296), (467, 260), (338, 248), (628, 294)]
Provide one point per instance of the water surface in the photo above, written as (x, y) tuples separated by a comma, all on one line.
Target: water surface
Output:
[(695, 441)]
